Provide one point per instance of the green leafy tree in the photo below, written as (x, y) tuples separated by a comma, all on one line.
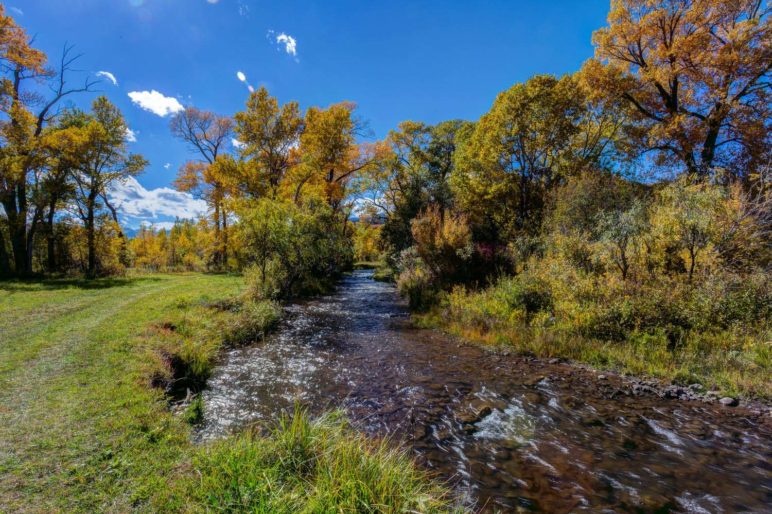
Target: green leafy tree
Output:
[(104, 160)]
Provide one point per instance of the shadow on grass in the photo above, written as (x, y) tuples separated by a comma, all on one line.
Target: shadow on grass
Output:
[(52, 284)]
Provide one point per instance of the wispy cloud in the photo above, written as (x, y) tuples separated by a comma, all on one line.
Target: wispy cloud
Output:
[(284, 41), (16, 10), (236, 143), (243, 78), (109, 76), (156, 103), (167, 165), (140, 205), (212, 1), (289, 42), (131, 135)]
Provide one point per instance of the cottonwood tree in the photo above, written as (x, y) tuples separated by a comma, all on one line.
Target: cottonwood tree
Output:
[(697, 75), (269, 137), (25, 114), (207, 134), (517, 151), (413, 176), (104, 160), (331, 157)]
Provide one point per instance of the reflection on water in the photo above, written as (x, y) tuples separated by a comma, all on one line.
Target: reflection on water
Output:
[(506, 432)]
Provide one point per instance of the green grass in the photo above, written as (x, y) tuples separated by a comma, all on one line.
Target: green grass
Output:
[(515, 313), (82, 430), (305, 466)]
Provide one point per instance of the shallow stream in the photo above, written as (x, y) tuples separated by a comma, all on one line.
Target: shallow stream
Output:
[(507, 432)]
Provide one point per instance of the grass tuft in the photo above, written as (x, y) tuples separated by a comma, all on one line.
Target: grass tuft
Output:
[(306, 465)]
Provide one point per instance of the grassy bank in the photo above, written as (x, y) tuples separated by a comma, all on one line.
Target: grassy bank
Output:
[(681, 333), (305, 466), (82, 429)]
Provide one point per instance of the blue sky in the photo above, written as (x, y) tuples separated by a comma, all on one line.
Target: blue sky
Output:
[(398, 60)]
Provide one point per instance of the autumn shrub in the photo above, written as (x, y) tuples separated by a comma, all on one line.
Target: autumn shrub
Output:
[(443, 241), (415, 281)]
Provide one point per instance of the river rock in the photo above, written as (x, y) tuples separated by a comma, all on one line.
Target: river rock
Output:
[(728, 401), (476, 411)]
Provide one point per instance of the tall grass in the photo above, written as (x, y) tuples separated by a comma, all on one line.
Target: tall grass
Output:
[(306, 465), (716, 333)]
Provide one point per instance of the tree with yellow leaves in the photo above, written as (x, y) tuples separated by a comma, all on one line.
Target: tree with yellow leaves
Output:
[(697, 74), (24, 115), (207, 134), (269, 137)]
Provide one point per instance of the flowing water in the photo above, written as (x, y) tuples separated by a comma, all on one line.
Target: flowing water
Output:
[(508, 433)]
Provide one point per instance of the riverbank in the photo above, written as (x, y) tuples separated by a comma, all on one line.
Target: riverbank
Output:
[(86, 373), (506, 431), (717, 366)]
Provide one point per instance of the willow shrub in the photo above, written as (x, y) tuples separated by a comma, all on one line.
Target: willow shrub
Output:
[(715, 332)]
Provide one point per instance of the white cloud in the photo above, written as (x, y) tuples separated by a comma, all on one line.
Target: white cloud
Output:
[(212, 1), (156, 103), (243, 78), (159, 225), (236, 143), (131, 135), (17, 11), (139, 205), (289, 42), (167, 165), (109, 76)]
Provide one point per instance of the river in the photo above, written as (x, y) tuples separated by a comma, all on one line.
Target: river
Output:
[(507, 432)]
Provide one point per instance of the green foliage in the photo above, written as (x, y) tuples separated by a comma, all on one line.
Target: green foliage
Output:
[(253, 320), (294, 249), (306, 465), (194, 412)]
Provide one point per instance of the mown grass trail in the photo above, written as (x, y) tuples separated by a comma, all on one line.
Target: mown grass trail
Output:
[(80, 430)]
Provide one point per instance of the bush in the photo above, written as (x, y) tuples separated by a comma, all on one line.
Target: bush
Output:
[(415, 281), (524, 291), (294, 250), (252, 322)]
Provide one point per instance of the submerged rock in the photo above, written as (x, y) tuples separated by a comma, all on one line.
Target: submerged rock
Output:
[(728, 401)]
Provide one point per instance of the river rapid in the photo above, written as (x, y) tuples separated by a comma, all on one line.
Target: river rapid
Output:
[(507, 432)]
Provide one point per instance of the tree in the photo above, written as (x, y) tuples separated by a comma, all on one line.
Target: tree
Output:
[(413, 176), (269, 136), (697, 75), (331, 158), (619, 229), (103, 161), (25, 114), (687, 215), (515, 153), (207, 134)]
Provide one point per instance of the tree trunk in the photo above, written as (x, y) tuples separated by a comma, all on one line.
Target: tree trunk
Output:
[(225, 237), (17, 228), (5, 264), (693, 260), (91, 238), (217, 237), (50, 239)]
